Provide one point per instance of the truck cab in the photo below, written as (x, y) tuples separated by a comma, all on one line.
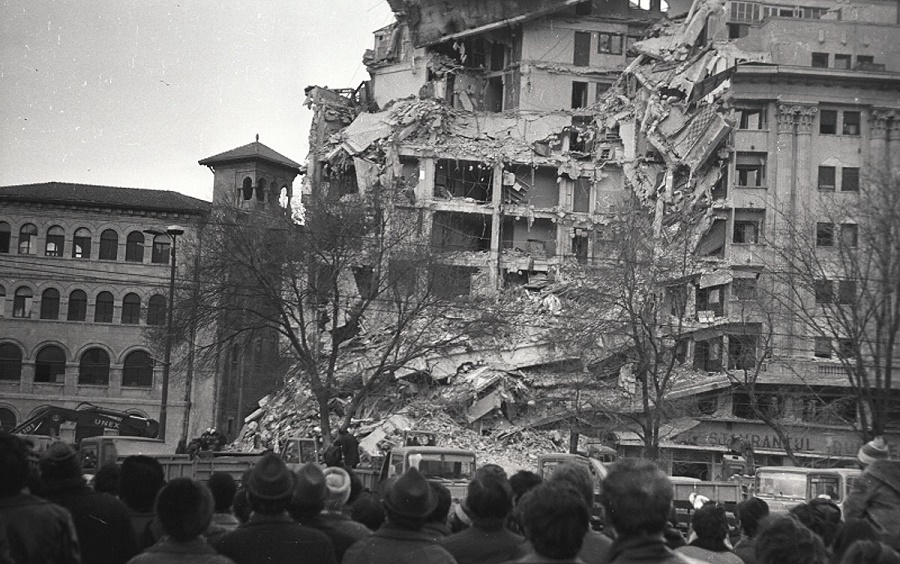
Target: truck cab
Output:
[(450, 467), (98, 451), (783, 487)]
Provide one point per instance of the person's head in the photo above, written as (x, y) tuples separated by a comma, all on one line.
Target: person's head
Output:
[(489, 498), (140, 479), (270, 486), (710, 523), (750, 512), (876, 449), (637, 497), (408, 500), (442, 509), (578, 477), (784, 540), (870, 552), (850, 531), (555, 519), (521, 482), (310, 492), (223, 488), (368, 510), (821, 516), (184, 508), (491, 469), (14, 470), (339, 485), (241, 505), (106, 480), (59, 463)]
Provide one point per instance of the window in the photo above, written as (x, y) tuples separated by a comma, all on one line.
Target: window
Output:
[(10, 362), (94, 368), (109, 245), (849, 235), (2, 300), (708, 355), (747, 226), (820, 60), (849, 179), (847, 348), (27, 239), (751, 169), (824, 291), (131, 309), (842, 61), (851, 123), (752, 118), (846, 292), (630, 48), (81, 243), (77, 306), (609, 43), (103, 308), (134, 247), (579, 94), (822, 348), (5, 236), (824, 234), (50, 365), (156, 310), (50, 304), (863, 61), (137, 370), (56, 239), (826, 178), (582, 56), (827, 122), (8, 419), (741, 352), (744, 289), (22, 302), (160, 253), (246, 191), (711, 299), (745, 12)]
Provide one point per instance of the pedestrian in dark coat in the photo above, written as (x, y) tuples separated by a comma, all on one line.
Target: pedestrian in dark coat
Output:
[(875, 497), (555, 519), (271, 536), (140, 479), (436, 523), (487, 541), (101, 520), (223, 489), (596, 545), (349, 448), (184, 509), (34, 530), (310, 493), (749, 513), (340, 488), (407, 502)]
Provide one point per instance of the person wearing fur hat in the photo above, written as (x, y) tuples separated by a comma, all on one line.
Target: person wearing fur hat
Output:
[(271, 536), (876, 449), (310, 495), (875, 496), (184, 509), (339, 483), (408, 501), (102, 521)]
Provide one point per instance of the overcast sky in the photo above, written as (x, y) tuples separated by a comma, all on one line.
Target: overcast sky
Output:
[(135, 92)]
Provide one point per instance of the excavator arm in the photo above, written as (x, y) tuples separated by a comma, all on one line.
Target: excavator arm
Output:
[(49, 418)]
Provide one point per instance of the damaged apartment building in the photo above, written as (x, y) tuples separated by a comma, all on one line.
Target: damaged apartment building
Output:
[(515, 128)]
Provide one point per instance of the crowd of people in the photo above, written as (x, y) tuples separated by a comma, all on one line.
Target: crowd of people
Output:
[(316, 515)]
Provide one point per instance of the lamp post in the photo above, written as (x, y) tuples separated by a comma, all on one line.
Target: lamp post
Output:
[(173, 231)]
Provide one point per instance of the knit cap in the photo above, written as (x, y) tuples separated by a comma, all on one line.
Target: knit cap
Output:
[(876, 449), (338, 482)]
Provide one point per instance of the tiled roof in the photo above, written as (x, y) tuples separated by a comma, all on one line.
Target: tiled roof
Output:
[(251, 151), (105, 196)]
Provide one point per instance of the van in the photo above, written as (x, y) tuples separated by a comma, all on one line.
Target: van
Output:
[(783, 487)]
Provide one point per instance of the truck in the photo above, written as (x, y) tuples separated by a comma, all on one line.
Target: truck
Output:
[(783, 487), (728, 492), (451, 467), (89, 420)]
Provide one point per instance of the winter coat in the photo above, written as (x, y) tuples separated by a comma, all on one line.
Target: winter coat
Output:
[(221, 523), (168, 551), (482, 544), (275, 539), (710, 556), (875, 497), (393, 545), (340, 539), (746, 550), (101, 520), (646, 549), (39, 532)]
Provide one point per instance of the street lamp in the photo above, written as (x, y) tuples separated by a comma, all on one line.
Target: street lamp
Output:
[(173, 231)]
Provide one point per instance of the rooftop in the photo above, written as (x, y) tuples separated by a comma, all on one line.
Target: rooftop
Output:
[(105, 196), (252, 151)]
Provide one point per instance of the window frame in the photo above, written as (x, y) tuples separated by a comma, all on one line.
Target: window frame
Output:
[(855, 126), (95, 369), (104, 311), (50, 304), (28, 239), (611, 40), (161, 249), (5, 237), (829, 126), (133, 248), (822, 347), (23, 302), (56, 236), (71, 313), (131, 310), (109, 245), (823, 178), (47, 371), (137, 375), (825, 234), (81, 244), (849, 231), (742, 169), (853, 172)]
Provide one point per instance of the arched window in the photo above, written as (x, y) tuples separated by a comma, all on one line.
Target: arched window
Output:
[(156, 310), (50, 304), (131, 309), (2, 301), (94, 367), (22, 302), (50, 365), (4, 237), (7, 419), (103, 308), (77, 306), (10, 362), (161, 246), (261, 190), (56, 240), (109, 245), (138, 370), (247, 189), (81, 243), (27, 239), (134, 247)]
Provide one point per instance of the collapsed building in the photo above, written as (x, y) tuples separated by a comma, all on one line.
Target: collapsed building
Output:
[(514, 130)]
